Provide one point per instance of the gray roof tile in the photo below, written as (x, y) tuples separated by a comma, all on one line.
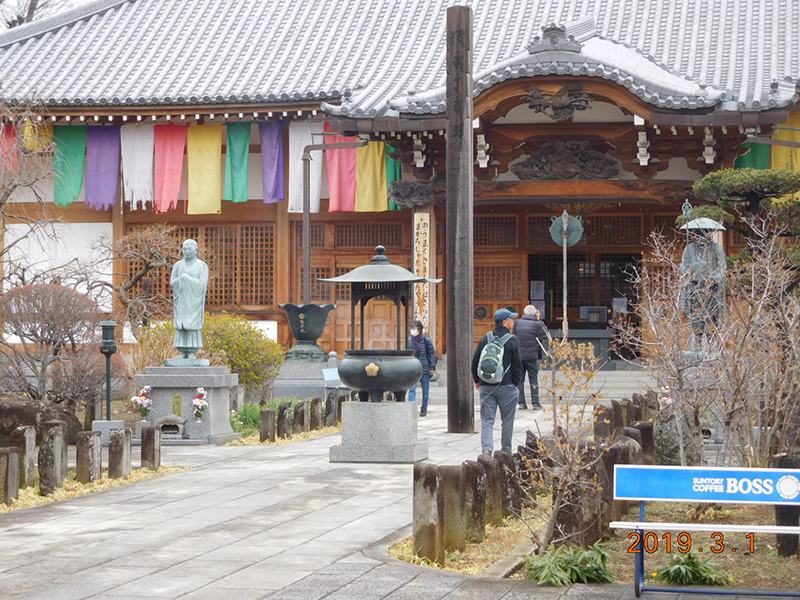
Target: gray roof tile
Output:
[(389, 54)]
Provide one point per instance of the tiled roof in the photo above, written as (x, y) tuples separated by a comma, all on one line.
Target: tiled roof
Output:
[(387, 56)]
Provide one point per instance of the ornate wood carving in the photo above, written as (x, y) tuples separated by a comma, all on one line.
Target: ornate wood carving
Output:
[(412, 194), (575, 159), (560, 106)]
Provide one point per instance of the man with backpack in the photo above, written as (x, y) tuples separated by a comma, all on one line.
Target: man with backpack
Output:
[(496, 369)]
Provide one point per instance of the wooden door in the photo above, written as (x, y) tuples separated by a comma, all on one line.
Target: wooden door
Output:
[(499, 283)]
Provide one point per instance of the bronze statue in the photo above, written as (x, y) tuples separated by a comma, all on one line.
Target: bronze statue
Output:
[(189, 286), (702, 296)]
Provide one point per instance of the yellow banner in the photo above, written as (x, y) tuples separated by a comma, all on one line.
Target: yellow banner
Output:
[(205, 169), (371, 188), (784, 157)]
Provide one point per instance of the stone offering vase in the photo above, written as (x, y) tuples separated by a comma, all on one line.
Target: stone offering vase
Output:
[(307, 323), (377, 371)]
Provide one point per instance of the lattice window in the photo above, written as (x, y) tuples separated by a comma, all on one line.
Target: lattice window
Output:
[(256, 265), (342, 289), (317, 236), (222, 244), (498, 283), (612, 230), (665, 225), (495, 231), (539, 231), (389, 235), (320, 290), (738, 240), (549, 268)]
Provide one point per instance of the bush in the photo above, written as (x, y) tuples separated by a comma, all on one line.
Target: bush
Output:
[(565, 565), (228, 340), (688, 569), (248, 420)]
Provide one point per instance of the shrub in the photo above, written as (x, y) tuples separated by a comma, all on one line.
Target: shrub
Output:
[(157, 344), (564, 565), (247, 421), (256, 358), (688, 569)]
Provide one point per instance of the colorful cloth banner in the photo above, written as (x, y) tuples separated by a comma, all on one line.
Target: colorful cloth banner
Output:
[(9, 153), (102, 166), (205, 169), (341, 174), (371, 186), (271, 135), (756, 158), (394, 172), (169, 145), (237, 154), (784, 157), (36, 138), (300, 137), (69, 162), (137, 142)]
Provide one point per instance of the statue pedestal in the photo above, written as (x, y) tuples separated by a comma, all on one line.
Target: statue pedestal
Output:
[(173, 391), (379, 432)]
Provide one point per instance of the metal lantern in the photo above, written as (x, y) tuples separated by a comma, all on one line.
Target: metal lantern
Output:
[(107, 348)]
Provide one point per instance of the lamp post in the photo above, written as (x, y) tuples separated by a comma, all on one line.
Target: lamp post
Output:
[(107, 348)]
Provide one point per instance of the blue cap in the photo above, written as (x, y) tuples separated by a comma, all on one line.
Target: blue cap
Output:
[(503, 314)]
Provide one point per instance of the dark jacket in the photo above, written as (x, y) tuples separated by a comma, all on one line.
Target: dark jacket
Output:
[(512, 362), (528, 329), (426, 353)]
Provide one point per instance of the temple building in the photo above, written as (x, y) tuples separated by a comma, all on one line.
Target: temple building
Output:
[(195, 113)]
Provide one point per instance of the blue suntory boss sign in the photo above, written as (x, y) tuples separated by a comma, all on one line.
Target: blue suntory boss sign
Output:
[(698, 484)]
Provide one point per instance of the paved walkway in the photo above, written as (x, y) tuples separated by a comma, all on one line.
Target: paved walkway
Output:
[(247, 523)]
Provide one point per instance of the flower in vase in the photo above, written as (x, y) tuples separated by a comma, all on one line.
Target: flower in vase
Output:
[(142, 401), (199, 403)]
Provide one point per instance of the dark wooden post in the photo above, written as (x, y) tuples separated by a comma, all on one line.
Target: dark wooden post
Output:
[(460, 403)]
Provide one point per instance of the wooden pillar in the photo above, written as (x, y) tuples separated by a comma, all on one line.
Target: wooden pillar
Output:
[(460, 399), (283, 253)]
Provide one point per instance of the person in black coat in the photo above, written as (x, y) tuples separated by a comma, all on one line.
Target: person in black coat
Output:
[(424, 351), (531, 333)]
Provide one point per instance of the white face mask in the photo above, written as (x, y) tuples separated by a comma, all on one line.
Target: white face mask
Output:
[(415, 332)]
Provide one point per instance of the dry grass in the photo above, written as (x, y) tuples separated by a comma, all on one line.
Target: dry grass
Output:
[(29, 496), (499, 542), (253, 440), (762, 569)]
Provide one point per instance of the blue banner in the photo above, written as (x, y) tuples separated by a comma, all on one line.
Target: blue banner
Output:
[(712, 484)]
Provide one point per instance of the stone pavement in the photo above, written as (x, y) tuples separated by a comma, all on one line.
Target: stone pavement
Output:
[(247, 523)]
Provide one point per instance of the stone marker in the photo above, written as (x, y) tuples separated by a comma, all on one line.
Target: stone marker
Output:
[(512, 494), (9, 475), (64, 433), (285, 420), (646, 431), (617, 420), (633, 433), (452, 483), (316, 413), (151, 447), (119, 453), (50, 459), (494, 490), (24, 439), (428, 513), (339, 401), (603, 423), (300, 422), (89, 456), (651, 405), (266, 431), (474, 483), (634, 412), (787, 515), (624, 405), (330, 411)]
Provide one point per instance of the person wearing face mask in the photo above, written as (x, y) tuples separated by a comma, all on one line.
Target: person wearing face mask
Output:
[(424, 351)]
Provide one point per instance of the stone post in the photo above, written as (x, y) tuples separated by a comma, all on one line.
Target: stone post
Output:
[(624, 405), (267, 425), (9, 475), (633, 433), (285, 420), (119, 453), (617, 420), (339, 401), (50, 460), (603, 422), (64, 445), (452, 483), (787, 515), (300, 423), (648, 448), (428, 513), (330, 411), (474, 483), (458, 247), (24, 439), (89, 457), (494, 490), (151, 448), (511, 497), (316, 414)]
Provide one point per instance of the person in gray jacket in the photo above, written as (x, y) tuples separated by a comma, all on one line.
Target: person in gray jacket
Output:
[(531, 332)]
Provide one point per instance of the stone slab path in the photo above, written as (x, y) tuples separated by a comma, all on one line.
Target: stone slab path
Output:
[(249, 523)]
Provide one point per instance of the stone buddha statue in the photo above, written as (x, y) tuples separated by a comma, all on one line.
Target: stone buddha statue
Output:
[(189, 283)]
